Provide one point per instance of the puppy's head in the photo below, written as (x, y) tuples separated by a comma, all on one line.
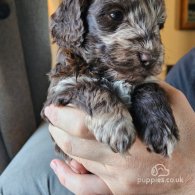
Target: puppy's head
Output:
[(123, 35)]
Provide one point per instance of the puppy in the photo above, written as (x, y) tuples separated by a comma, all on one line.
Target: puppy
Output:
[(109, 50)]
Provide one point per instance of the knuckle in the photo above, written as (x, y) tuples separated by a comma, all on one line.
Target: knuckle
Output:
[(54, 117), (53, 114)]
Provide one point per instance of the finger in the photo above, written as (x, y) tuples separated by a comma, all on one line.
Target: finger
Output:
[(78, 184), (91, 150), (82, 148), (174, 95), (179, 103), (75, 165), (167, 87), (69, 119)]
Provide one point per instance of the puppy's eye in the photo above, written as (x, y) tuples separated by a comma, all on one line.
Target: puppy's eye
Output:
[(116, 15)]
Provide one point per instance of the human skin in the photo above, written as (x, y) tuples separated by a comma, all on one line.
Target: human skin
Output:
[(114, 173)]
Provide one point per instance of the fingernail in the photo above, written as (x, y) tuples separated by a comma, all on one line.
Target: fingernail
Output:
[(53, 165)]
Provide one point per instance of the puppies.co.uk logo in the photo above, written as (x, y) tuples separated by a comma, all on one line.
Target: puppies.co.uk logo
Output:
[(159, 174), (160, 170)]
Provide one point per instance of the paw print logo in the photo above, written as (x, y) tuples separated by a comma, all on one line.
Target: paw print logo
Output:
[(160, 170)]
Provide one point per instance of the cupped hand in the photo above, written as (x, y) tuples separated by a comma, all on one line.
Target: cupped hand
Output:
[(132, 173)]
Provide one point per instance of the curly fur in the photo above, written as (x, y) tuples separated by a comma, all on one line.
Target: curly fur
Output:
[(108, 49)]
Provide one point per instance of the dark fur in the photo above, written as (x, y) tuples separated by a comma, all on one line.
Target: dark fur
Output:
[(102, 67), (152, 115)]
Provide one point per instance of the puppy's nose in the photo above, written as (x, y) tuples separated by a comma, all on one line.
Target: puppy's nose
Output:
[(145, 58)]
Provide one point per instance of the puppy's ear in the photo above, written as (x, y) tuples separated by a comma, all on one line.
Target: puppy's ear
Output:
[(160, 10), (66, 24)]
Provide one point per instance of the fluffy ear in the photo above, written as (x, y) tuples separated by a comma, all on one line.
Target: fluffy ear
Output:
[(160, 10), (66, 24)]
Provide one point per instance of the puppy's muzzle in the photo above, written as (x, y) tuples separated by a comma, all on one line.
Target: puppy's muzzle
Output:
[(146, 59)]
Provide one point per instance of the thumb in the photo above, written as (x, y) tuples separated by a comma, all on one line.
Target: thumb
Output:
[(78, 183)]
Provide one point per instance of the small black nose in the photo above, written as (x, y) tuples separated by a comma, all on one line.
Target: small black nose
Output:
[(145, 58)]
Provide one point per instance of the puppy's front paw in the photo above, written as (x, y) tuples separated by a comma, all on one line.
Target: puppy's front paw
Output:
[(122, 138), (159, 137), (117, 131), (153, 118)]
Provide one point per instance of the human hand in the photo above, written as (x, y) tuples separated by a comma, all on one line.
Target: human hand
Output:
[(123, 174)]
